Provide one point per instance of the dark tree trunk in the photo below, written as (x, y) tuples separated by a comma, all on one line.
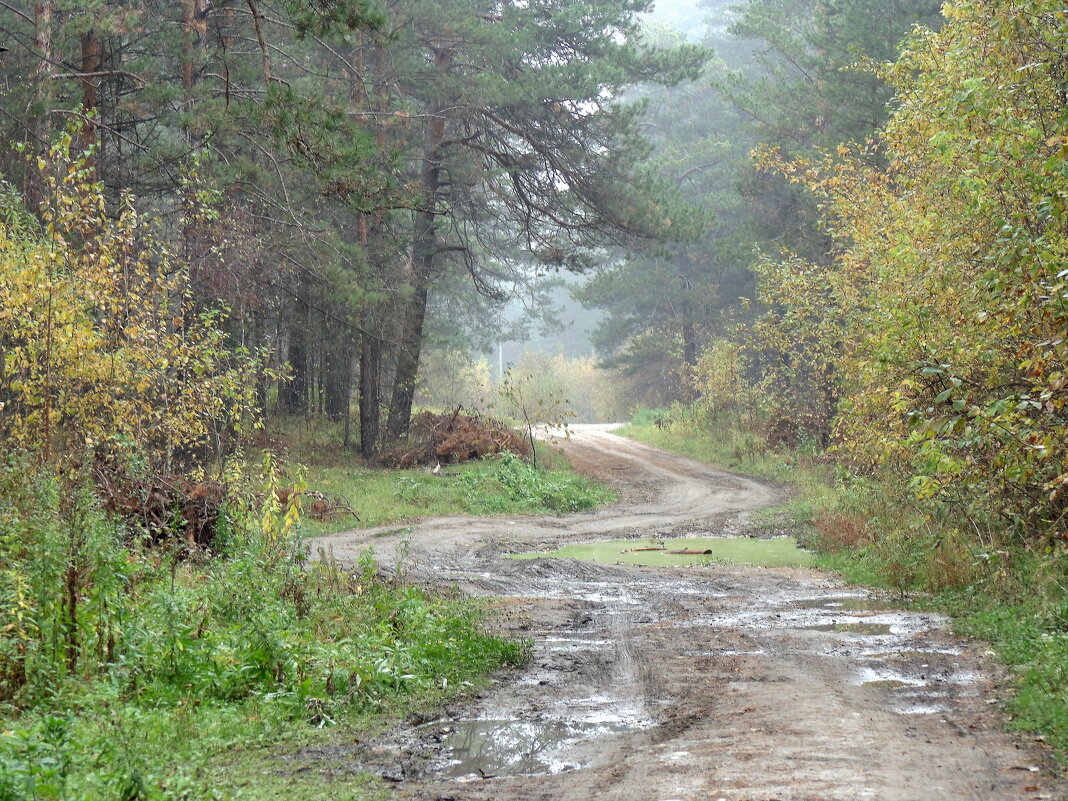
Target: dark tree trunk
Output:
[(689, 346), (337, 369), (294, 393), (43, 12), (424, 250), (370, 394), (91, 60), (41, 128), (411, 343), (370, 235)]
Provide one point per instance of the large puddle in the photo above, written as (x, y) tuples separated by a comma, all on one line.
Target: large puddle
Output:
[(777, 552), (486, 748)]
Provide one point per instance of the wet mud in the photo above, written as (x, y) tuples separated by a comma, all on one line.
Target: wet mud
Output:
[(701, 682)]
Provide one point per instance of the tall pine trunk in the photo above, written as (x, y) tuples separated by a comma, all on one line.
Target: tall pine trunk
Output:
[(370, 234), (408, 351), (294, 394), (424, 250), (337, 369), (91, 60), (41, 127), (370, 394)]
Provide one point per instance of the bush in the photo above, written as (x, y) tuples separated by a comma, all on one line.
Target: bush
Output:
[(535, 490), (100, 344), (455, 437), (648, 417)]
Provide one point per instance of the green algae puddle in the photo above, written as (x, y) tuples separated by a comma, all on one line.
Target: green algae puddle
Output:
[(777, 552)]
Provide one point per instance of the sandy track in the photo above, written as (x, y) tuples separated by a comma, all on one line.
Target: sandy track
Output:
[(697, 683)]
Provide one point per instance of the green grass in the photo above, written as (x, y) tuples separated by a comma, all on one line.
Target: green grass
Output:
[(727, 448), (99, 740), (178, 676), (236, 673), (384, 496), (496, 486), (294, 774), (874, 534)]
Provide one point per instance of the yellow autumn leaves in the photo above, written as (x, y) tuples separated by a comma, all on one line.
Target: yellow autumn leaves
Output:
[(938, 330), (100, 344)]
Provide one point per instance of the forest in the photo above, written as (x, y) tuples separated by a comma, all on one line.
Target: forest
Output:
[(823, 240)]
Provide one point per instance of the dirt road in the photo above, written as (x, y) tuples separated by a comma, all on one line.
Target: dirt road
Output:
[(698, 683)]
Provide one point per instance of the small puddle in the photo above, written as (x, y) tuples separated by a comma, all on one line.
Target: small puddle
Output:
[(485, 748), (888, 678), (845, 604), (871, 629), (921, 709), (886, 684), (567, 644), (922, 656), (777, 552)]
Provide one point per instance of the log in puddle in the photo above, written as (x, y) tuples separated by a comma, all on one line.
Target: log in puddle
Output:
[(678, 552)]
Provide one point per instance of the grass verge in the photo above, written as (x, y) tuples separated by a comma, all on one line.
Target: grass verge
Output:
[(135, 672), (1006, 595), (808, 482), (495, 486)]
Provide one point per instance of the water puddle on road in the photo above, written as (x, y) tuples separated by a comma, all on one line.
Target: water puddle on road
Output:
[(870, 629), (843, 603), (776, 552), (887, 678), (485, 748)]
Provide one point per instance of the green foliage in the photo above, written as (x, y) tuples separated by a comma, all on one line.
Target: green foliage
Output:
[(939, 327), (666, 298), (34, 762), (551, 385), (792, 73), (531, 490), (101, 638), (814, 90), (526, 397), (1033, 639), (648, 417), (720, 443), (484, 487)]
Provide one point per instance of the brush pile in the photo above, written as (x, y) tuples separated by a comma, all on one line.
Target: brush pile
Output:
[(456, 437), (163, 507)]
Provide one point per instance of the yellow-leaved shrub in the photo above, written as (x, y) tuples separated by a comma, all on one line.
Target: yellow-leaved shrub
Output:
[(943, 320), (101, 344)]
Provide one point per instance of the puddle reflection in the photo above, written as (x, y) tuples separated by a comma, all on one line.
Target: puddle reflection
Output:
[(845, 604), (870, 629), (517, 748)]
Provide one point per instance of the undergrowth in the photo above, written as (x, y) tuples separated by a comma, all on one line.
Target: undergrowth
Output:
[(996, 587), (127, 671)]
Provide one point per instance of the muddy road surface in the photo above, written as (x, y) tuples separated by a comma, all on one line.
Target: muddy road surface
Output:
[(702, 683)]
